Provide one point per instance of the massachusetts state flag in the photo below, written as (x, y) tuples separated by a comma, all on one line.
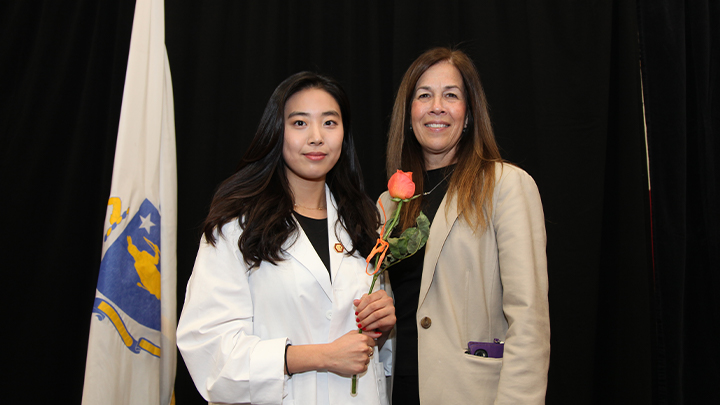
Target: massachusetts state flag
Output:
[(131, 354)]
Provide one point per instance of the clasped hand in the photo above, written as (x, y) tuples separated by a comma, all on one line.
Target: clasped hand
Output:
[(375, 312), (352, 352)]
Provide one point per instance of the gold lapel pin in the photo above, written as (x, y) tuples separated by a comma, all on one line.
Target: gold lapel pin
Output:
[(339, 247)]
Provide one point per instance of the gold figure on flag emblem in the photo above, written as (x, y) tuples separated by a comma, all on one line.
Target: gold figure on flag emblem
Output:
[(146, 266), (116, 216)]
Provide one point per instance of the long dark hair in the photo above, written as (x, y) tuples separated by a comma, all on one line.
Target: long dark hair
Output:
[(258, 195), (473, 180)]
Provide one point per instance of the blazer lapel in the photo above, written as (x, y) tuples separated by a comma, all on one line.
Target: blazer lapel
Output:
[(439, 231)]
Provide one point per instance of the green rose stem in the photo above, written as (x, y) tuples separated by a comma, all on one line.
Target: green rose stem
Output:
[(385, 235)]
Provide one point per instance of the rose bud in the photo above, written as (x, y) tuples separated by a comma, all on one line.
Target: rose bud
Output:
[(401, 185)]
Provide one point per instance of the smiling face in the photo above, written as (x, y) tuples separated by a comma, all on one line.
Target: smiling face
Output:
[(438, 113), (313, 136)]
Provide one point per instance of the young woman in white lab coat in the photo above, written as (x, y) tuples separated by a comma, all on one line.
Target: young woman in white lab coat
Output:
[(279, 285)]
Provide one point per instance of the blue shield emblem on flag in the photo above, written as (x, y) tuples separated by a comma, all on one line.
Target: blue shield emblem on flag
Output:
[(130, 278)]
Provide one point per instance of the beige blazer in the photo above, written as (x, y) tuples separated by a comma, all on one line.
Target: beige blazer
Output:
[(479, 287)]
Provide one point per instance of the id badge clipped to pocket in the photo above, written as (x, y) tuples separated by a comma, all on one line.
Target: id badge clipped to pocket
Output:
[(486, 349)]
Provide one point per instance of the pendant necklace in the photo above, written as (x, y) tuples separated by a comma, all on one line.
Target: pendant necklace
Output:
[(308, 208), (439, 183)]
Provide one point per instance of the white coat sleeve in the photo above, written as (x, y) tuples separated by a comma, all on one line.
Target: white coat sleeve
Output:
[(215, 332), (520, 231)]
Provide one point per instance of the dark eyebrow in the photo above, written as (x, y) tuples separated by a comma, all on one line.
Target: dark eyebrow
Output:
[(296, 113), (444, 88), (332, 113)]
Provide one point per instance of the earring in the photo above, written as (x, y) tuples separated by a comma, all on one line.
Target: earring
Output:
[(411, 128)]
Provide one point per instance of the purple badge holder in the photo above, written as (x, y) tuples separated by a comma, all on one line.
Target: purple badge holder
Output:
[(486, 349)]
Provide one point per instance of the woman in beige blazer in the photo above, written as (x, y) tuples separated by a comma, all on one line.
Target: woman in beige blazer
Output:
[(482, 276)]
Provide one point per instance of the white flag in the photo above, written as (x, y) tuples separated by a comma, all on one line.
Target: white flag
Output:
[(131, 356)]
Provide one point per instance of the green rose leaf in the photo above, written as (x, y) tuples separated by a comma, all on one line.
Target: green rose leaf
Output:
[(394, 250), (412, 240), (423, 224)]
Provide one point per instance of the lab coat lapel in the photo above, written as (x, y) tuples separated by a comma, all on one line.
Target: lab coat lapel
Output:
[(439, 231), (336, 234), (304, 252)]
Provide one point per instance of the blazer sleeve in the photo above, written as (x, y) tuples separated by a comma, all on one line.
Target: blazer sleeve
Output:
[(215, 332), (521, 241)]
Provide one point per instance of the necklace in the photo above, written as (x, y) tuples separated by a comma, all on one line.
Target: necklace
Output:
[(308, 208), (439, 182)]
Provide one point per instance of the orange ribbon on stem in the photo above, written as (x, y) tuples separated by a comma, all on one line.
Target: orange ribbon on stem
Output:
[(380, 247)]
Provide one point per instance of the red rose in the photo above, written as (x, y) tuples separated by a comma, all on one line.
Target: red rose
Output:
[(401, 185)]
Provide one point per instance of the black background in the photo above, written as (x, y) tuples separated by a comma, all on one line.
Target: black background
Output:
[(563, 82)]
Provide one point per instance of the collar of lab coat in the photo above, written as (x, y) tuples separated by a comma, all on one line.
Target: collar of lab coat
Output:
[(302, 250)]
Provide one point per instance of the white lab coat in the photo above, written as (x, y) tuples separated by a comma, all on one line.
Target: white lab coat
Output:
[(236, 322)]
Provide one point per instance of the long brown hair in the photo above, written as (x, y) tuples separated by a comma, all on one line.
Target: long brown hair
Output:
[(473, 180), (259, 197)]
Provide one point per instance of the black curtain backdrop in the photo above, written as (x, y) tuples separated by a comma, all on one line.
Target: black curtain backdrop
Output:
[(681, 72), (562, 79)]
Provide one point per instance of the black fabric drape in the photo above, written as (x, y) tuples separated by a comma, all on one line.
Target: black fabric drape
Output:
[(62, 69), (681, 68), (563, 84)]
